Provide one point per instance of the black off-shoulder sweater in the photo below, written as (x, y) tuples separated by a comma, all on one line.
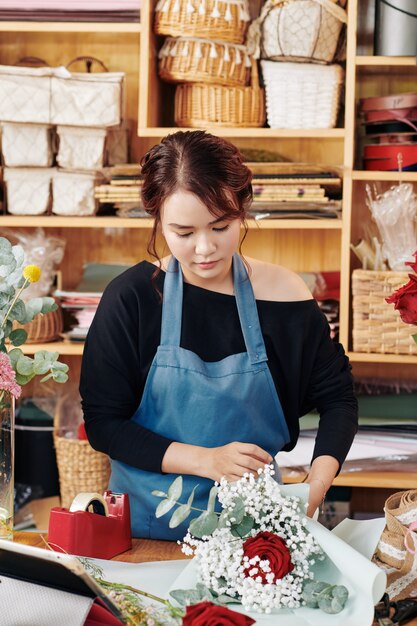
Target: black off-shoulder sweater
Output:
[(308, 368)]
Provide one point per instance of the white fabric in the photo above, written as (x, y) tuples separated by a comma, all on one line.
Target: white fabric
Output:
[(25, 145), (87, 99), (73, 193), (28, 191), (24, 94), (27, 604), (81, 148)]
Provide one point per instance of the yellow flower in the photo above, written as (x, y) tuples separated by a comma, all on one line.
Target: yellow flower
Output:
[(32, 273)]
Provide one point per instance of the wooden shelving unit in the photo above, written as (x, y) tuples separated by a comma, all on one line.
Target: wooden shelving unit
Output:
[(302, 245)]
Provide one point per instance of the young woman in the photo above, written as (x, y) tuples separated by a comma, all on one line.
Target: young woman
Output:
[(202, 362)]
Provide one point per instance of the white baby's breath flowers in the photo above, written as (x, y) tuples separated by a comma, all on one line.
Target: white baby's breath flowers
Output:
[(222, 565)]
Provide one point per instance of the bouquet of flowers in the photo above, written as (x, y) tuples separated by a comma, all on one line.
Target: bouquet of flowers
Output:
[(257, 551), (404, 299)]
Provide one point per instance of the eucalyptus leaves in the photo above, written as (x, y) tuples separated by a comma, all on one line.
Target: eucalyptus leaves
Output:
[(14, 278), (206, 523)]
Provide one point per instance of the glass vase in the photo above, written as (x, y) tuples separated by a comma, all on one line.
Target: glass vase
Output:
[(7, 414)]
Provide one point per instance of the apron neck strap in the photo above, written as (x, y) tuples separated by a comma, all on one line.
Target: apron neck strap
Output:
[(172, 305), (245, 301), (248, 312)]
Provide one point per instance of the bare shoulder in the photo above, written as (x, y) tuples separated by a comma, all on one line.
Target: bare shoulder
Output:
[(164, 262), (276, 283)]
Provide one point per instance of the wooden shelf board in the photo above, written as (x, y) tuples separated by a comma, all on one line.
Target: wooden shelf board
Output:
[(63, 347), (70, 27), (375, 480), (366, 357), (302, 224), (54, 221), (266, 133), (377, 61), (395, 176)]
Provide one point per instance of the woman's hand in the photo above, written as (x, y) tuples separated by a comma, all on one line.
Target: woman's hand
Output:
[(316, 496), (323, 470), (233, 460), (230, 461)]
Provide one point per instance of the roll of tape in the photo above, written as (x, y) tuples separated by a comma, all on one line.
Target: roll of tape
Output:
[(83, 501)]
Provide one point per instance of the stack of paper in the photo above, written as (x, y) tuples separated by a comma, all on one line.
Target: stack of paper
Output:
[(81, 304), (71, 10)]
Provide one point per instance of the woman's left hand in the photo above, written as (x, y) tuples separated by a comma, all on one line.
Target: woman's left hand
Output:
[(323, 470), (316, 497)]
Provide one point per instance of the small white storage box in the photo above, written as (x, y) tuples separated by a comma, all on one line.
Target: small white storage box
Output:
[(81, 148), (26, 145), (28, 191), (302, 95), (25, 94), (73, 193), (84, 99)]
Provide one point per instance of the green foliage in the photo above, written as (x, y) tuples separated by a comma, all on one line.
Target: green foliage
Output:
[(185, 597), (12, 308), (328, 598), (206, 523)]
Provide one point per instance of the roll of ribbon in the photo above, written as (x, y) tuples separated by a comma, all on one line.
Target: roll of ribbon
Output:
[(388, 157), (83, 501), (412, 527), (396, 101), (388, 128)]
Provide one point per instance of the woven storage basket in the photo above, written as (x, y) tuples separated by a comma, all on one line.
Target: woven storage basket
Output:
[(80, 467), (224, 20), (190, 60), (302, 95), (199, 106), (377, 326), (43, 328)]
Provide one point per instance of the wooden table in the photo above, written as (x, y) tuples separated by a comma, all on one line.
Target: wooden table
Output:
[(143, 550)]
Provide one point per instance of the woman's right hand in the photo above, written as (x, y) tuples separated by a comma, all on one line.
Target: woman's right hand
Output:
[(232, 461)]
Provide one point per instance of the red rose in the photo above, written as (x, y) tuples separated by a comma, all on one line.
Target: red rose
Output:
[(405, 298), (266, 545), (209, 614)]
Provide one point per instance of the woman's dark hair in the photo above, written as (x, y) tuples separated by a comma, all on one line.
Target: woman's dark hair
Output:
[(208, 166)]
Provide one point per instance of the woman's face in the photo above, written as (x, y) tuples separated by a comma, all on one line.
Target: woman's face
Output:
[(203, 244)]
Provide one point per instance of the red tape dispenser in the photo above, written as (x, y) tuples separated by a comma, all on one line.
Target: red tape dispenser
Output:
[(100, 534)]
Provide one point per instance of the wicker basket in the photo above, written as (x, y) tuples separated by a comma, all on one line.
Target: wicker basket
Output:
[(80, 467), (43, 328), (377, 326), (200, 106), (223, 20), (302, 95), (191, 60)]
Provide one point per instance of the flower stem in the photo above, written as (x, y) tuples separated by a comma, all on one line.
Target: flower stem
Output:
[(16, 296), (122, 587)]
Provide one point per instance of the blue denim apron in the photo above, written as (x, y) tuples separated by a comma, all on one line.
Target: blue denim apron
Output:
[(204, 404)]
